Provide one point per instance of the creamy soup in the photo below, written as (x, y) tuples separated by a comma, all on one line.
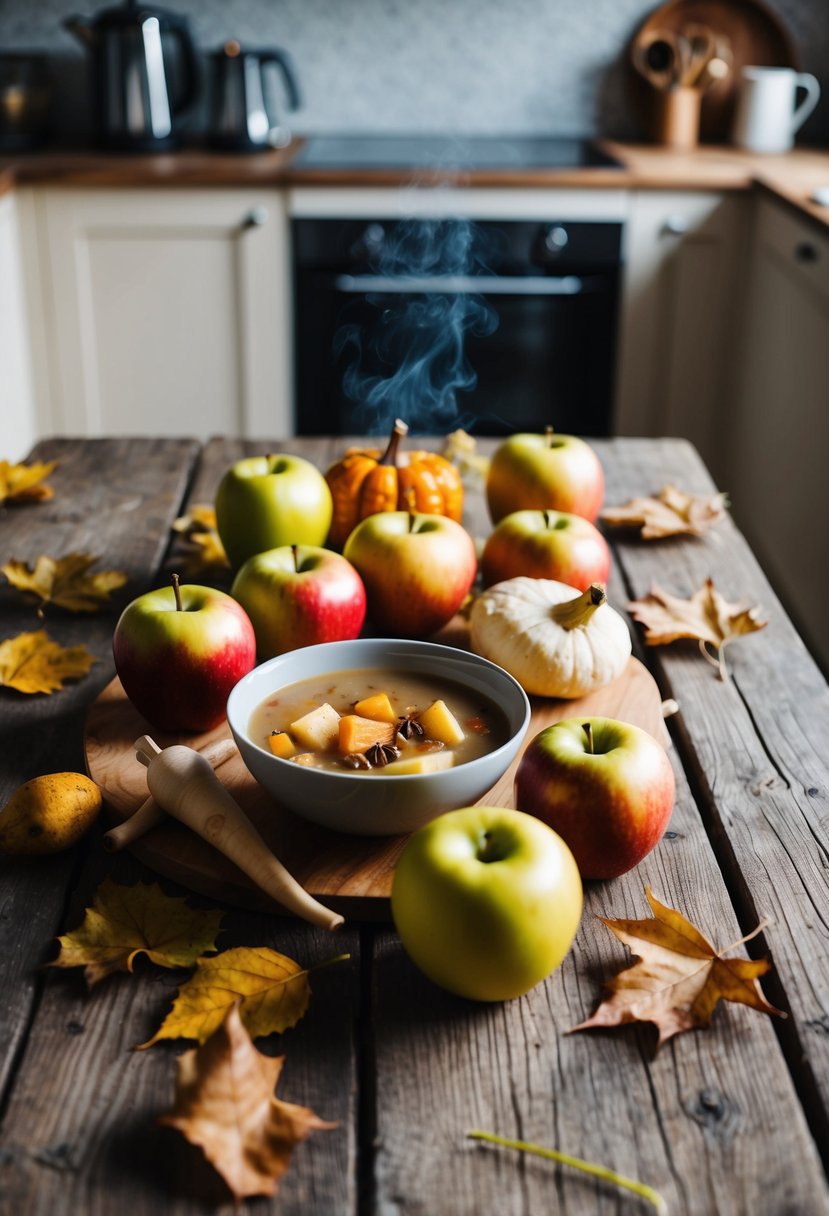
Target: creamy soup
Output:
[(378, 721)]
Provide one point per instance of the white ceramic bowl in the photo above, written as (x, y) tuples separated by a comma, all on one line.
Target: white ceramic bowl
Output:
[(376, 805)]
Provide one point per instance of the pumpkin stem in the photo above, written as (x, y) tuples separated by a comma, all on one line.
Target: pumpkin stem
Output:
[(573, 613), (177, 592), (398, 431)]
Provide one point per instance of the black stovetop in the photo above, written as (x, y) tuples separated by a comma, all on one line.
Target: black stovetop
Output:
[(448, 152)]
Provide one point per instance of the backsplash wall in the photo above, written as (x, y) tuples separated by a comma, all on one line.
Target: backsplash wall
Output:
[(468, 66)]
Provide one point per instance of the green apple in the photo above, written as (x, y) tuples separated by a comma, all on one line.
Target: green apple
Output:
[(264, 502), (560, 472), (607, 787), (487, 901)]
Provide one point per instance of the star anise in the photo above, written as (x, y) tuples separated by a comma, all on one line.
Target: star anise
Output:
[(381, 754), (410, 728)]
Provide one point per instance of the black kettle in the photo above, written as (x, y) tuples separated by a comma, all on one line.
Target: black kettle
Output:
[(243, 117), (145, 74)]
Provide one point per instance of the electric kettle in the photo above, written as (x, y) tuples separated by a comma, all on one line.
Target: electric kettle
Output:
[(145, 74), (242, 112)]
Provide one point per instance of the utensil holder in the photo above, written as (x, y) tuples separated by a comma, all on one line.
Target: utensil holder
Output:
[(677, 116)]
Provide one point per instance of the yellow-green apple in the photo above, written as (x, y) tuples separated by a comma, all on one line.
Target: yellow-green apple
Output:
[(486, 901), (546, 544), (417, 569), (605, 786), (264, 502), (561, 472), (179, 651), (299, 595)]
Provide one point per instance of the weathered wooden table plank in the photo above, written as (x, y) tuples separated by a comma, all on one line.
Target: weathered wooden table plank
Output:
[(755, 748), (704, 1122)]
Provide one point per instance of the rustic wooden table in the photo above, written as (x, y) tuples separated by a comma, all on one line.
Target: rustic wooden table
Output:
[(730, 1120)]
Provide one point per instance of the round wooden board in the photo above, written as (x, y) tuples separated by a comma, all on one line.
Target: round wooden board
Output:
[(351, 874)]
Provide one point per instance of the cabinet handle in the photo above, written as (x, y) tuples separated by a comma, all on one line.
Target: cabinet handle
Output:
[(675, 225), (255, 218), (805, 251)]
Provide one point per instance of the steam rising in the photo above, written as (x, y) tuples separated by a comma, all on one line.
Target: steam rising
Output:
[(409, 360)]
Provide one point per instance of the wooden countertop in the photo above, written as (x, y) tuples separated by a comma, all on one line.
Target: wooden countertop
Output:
[(790, 177), (732, 1119)]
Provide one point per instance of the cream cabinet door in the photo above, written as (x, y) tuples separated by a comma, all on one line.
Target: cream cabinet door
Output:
[(167, 311), (779, 449), (683, 273), (18, 422)]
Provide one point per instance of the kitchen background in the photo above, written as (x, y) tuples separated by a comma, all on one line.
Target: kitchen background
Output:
[(528, 66)]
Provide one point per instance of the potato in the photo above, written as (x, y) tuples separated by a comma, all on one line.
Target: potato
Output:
[(48, 814)]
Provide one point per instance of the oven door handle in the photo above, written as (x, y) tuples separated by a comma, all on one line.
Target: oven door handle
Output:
[(458, 284)]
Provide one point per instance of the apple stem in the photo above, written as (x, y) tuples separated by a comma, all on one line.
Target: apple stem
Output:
[(549, 431), (294, 549), (587, 727), (177, 592), (398, 431), (411, 521), (578, 611)]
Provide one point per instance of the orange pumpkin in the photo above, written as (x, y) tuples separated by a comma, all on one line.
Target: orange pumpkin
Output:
[(367, 481)]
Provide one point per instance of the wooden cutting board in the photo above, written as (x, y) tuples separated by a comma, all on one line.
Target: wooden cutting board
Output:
[(351, 874)]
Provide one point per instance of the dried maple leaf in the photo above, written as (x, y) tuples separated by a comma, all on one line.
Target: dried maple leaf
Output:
[(679, 977), (64, 581), (24, 482), (126, 921), (198, 528), (671, 512), (225, 1104), (705, 617), (32, 662), (272, 992)]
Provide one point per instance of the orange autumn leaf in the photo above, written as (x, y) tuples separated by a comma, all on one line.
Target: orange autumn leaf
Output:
[(65, 581), (31, 662), (225, 1104), (199, 530), (270, 989), (670, 512), (679, 977), (706, 617), (21, 483), (126, 921)]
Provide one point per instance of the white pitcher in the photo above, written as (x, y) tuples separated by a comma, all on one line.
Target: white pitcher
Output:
[(767, 115)]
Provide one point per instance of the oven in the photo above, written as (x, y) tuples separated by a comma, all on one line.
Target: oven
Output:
[(495, 326)]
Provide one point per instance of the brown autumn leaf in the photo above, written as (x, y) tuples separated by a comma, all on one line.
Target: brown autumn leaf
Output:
[(21, 483), (31, 662), (126, 921), (706, 617), (271, 990), (199, 530), (225, 1104), (64, 581), (670, 512), (679, 978)]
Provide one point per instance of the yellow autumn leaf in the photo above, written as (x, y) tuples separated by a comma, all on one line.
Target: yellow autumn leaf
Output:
[(31, 662), (65, 581), (272, 991), (24, 482), (126, 921), (199, 531)]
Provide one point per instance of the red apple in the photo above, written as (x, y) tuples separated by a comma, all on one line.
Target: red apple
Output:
[(561, 472), (546, 544), (299, 595), (605, 786), (417, 570), (179, 651)]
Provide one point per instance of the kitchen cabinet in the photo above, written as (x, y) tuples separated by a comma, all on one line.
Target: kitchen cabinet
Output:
[(684, 267), (779, 439), (18, 427), (165, 310)]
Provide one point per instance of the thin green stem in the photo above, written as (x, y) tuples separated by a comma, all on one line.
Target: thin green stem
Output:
[(587, 1167)]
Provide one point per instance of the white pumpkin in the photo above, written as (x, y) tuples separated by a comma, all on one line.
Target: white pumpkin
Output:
[(556, 641)]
